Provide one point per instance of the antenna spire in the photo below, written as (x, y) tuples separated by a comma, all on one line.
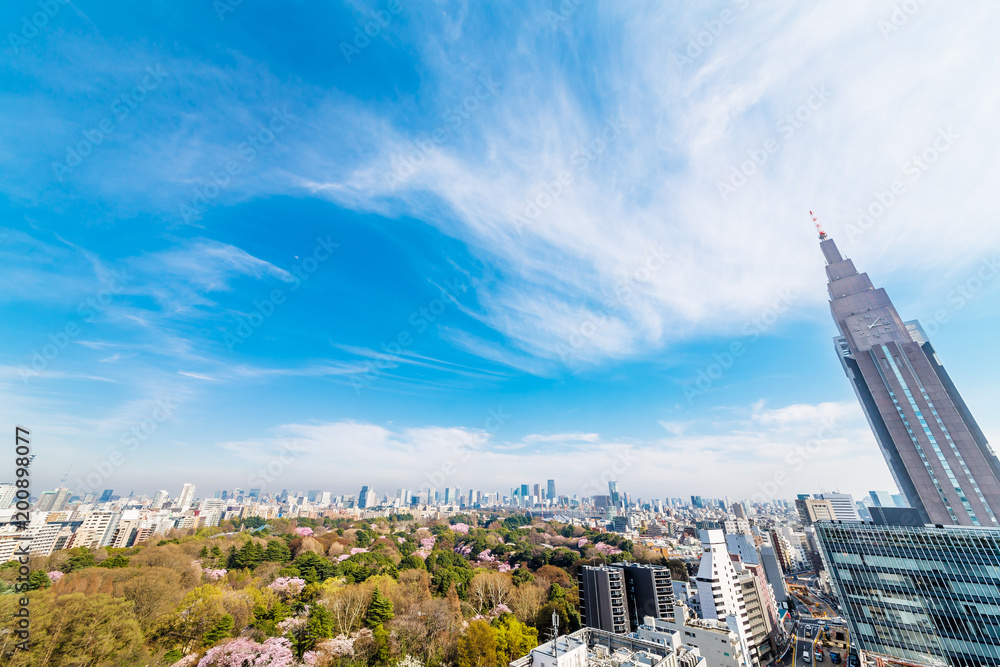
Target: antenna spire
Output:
[(819, 227)]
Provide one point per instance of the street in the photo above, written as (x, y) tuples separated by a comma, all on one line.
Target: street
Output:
[(806, 633)]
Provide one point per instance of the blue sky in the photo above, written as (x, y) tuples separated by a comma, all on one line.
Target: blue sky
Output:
[(501, 242)]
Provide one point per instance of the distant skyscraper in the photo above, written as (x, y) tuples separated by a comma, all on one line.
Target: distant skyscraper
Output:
[(366, 498), (159, 499), (882, 499), (843, 506), (106, 496), (616, 498), (7, 495), (936, 452), (551, 491), (186, 497)]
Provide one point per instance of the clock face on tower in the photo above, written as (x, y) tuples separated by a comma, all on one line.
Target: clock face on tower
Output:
[(871, 328)]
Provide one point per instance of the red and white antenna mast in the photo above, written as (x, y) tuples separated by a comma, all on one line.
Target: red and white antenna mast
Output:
[(819, 227)]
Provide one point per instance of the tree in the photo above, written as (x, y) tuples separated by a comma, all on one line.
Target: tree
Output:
[(477, 647), (559, 603), (200, 611), (38, 579), (153, 591), (277, 552), (314, 568), (221, 630), (118, 560), (79, 559), (248, 557), (382, 653), (514, 639), (488, 590), (411, 562), (275, 651), (348, 606), (318, 627), (79, 629), (379, 609), (253, 522), (678, 570)]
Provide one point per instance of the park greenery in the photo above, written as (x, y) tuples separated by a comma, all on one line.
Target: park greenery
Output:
[(473, 591)]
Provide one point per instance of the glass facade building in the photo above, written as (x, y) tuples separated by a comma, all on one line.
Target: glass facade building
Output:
[(925, 594), (937, 454)]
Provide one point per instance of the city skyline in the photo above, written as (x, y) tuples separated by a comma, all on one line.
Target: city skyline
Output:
[(405, 281)]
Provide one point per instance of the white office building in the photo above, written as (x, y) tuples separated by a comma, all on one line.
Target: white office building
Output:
[(186, 498)]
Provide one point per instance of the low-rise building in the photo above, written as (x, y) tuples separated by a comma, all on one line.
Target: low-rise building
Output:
[(590, 647), (718, 643)]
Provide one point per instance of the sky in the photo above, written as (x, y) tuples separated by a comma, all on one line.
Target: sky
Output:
[(280, 245)]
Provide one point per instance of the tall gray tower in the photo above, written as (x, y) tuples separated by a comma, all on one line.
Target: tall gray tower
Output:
[(937, 453)]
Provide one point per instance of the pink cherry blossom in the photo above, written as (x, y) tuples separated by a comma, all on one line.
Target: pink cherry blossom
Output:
[(214, 575), (274, 652), (304, 531), (287, 585), (582, 541), (462, 528), (608, 549), (55, 575)]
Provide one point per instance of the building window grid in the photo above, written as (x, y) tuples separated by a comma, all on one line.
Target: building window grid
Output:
[(913, 437), (920, 640), (951, 443), (930, 437)]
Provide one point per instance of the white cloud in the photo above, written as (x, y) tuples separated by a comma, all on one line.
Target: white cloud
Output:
[(808, 448), (876, 101)]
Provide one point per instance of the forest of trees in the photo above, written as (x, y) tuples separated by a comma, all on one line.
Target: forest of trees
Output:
[(474, 592)]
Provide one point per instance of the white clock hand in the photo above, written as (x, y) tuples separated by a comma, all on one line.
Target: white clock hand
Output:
[(875, 322)]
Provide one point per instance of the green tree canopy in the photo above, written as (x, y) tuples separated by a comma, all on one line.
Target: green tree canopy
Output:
[(379, 609)]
